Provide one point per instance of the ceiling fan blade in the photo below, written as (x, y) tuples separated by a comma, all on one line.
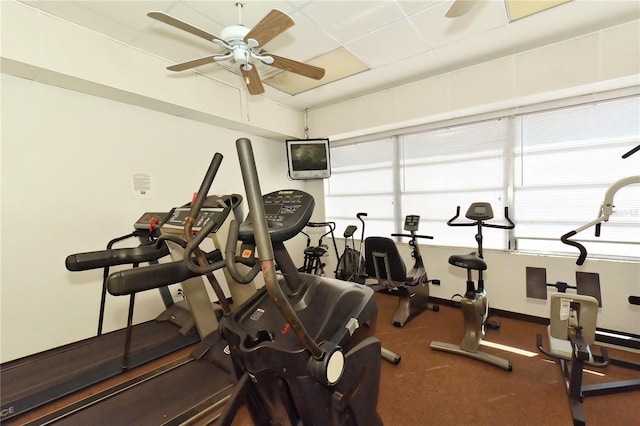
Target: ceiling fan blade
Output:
[(175, 22), (191, 64), (459, 8), (296, 67), (273, 24), (252, 80)]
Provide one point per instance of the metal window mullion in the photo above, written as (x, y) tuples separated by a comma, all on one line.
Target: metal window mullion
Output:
[(514, 138), (397, 182)]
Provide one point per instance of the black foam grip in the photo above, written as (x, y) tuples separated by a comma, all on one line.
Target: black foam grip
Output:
[(583, 251), (206, 184), (149, 277), (120, 256)]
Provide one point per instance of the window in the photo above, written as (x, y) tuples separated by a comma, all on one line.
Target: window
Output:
[(550, 168), (445, 168), (564, 163), (362, 180)]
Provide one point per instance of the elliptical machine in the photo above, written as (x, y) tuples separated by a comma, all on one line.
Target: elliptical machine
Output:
[(474, 303), (303, 346)]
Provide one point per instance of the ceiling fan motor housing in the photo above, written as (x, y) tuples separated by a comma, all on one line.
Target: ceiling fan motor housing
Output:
[(234, 33)]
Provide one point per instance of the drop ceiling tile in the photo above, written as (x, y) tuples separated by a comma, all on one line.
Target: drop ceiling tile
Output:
[(518, 9), (440, 31), (348, 20), (338, 64), (412, 6), (417, 67), (303, 41), (473, 50), (226, 12), (389, 44)]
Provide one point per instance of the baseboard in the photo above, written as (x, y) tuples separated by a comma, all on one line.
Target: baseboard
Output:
[(612, 338)]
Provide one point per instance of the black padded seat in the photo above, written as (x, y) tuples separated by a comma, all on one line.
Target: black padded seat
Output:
[(468, 261), (383, 245)]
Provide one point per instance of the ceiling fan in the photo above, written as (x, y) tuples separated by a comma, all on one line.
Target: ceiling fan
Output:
[(459, 8), (243, 45)]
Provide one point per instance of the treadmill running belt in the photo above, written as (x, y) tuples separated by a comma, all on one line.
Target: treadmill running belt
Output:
[(163, 399), (35, 380)]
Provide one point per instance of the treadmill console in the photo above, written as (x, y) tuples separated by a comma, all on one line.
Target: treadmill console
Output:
[(411, 223), (480, 211), (150, 221), (215, 208), (287, 211)]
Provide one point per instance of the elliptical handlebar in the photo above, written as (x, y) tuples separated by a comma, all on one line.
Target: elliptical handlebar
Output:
[(265, 247), (228, 203), (204, 188), (231, 260)]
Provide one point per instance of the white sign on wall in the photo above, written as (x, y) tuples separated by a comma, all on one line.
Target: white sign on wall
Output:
[(141, 185)]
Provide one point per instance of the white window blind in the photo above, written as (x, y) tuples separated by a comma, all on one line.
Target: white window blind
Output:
[(552, 168), (564, 162), (361, 181), (456, 166)]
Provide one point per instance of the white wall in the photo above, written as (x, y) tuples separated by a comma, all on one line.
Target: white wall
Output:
[(67, 165), (505, 281)]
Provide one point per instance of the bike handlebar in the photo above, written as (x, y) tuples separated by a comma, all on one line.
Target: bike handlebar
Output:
[(510, 225), (429, 237), (583, 251), (330, 225)]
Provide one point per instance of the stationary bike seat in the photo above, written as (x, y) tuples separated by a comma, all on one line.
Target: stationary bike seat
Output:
[(468, 261)]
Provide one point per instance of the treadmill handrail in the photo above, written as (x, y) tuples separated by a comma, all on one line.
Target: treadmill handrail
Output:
[(118, 256), (135, 280)]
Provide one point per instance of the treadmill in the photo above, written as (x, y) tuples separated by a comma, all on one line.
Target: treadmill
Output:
[(33, 381), (193, 386)]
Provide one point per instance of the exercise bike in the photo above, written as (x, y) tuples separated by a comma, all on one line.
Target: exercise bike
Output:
[(474, 303), (351, 263), (384, 263)]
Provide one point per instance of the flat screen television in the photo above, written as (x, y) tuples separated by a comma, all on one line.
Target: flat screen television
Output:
[(308, 158)]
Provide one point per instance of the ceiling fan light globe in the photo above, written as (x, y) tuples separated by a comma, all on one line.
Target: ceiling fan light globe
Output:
[(240, 55)]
